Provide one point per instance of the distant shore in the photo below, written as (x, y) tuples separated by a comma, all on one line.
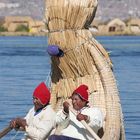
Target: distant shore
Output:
[(27, 26), (115, 34)]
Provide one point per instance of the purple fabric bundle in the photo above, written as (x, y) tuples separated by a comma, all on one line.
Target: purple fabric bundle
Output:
[(54, 50)]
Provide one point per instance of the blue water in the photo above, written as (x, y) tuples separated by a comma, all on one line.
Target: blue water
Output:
[(24, 63)]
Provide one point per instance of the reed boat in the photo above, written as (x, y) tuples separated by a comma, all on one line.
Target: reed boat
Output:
[(85, 61)]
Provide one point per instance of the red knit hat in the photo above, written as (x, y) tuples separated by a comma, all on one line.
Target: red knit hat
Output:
[(42, 93), (82, 91)]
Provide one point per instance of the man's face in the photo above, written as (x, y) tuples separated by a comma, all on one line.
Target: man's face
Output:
[(37, 103), (77, 102)]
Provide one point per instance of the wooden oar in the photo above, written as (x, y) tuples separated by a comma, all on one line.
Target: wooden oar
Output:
[(5, 131), (86, 125)]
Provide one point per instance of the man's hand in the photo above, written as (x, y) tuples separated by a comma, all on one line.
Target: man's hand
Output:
[(81, 117), (17, 123), (13, 124)]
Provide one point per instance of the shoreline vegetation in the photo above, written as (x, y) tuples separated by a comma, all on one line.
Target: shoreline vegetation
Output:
[(46, 34)]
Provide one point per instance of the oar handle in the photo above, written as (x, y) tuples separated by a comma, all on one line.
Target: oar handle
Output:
[(5, 131), (86, 125)]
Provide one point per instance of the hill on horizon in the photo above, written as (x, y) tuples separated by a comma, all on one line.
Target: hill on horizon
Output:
[(107, 9)]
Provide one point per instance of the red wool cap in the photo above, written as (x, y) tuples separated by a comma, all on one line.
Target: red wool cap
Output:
[(82, 91), (42, 93)]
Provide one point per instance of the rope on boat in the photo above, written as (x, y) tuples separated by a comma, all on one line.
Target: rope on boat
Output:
[(48, 79)]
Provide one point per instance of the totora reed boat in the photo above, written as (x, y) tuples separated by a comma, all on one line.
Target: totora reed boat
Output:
[(85, 61)]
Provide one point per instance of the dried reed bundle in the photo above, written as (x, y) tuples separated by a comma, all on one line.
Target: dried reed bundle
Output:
[(85, 61), (69, 14)]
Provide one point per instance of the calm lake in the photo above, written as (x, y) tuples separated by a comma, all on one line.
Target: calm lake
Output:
[(24, 63)]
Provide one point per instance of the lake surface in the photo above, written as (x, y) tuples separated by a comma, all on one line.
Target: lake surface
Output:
[(24, 63)]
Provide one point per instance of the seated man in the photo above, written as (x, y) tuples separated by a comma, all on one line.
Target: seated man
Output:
[(71, 127), (40, 120)]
